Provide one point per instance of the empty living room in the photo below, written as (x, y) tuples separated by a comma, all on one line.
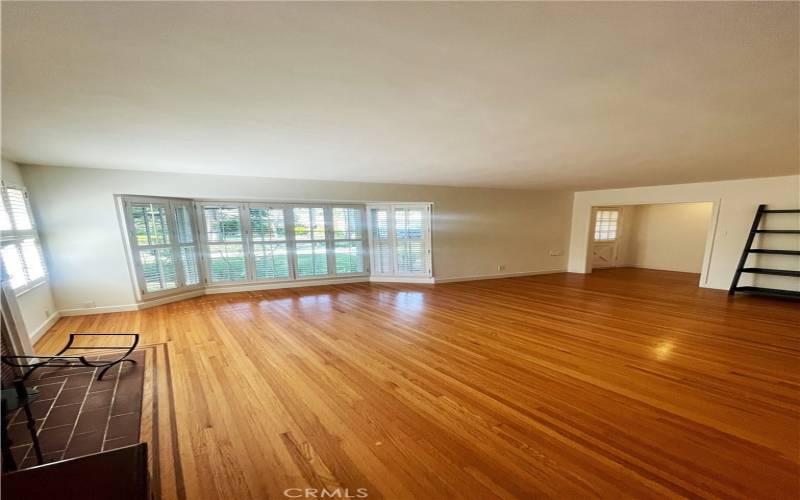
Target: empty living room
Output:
[(400, 250)]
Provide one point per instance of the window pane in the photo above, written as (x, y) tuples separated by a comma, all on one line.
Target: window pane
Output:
[(410, 240), (150, 224), (158, 269), (267, 224), (226, 263), (410, 256), (408, 223), (189, 263), (309, 223), (12, 264), (312, 259), (223, 224), (605, 225), (185, 228), (272, 260), (349, 258), (32, 258), (380, 223), (347, 223)]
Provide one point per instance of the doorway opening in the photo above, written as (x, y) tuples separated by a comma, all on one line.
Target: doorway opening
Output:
[(664, 236)]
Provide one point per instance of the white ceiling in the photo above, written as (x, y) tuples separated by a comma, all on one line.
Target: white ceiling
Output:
[(528, 95)]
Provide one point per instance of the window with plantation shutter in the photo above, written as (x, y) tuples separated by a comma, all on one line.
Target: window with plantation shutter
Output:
[(187, 243), (163, 243), (348, 239), (270, 247), (410, 240), (225, 243), (382, 255), (21, 256), (310, 241), (400, 240)]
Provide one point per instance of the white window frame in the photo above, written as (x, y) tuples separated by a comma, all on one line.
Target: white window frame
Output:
[(15, 237), (328, 217), (365, 254), (174, 245), (250, 258), (618, 229), (244, 223), (427, 208)]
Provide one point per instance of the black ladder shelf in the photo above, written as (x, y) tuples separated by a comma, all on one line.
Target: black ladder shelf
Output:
[(748, 249)]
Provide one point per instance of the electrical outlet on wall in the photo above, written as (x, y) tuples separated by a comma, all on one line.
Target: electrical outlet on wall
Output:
[(556, 253), (501, 267), (89, 304), (47, 313)]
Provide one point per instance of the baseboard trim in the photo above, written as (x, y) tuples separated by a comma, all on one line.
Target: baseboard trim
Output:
[(44, 327), (500, 276), (171, 298), (213, 290), (400, 279), (86, 311)]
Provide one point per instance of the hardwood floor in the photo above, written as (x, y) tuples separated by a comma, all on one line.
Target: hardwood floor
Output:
[(622, 383)]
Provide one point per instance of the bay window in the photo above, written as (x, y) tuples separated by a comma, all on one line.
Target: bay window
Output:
[(179, 244)]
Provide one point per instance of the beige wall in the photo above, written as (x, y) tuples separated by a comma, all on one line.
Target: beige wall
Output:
[(474, 230), (671, 237), (34, 308)]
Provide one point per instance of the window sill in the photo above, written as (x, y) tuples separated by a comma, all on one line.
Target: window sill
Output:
[(22, 291)]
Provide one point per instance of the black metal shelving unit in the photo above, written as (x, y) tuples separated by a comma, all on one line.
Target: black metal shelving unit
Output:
[(748, 249)]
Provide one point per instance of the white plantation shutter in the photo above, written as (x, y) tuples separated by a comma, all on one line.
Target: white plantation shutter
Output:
[(380, 238), (400, 239), (23, 266), (153, 246), (270, 246), (163, 242), (310, 241), (410, 240), (225, 243), (187, 243), (348, 239)]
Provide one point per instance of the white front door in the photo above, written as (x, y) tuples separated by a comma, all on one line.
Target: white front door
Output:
[(605, 232)]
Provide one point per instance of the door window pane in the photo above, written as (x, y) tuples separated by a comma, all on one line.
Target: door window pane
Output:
[(605, 225)]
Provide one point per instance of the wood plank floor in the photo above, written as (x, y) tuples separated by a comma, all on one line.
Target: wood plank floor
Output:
[(622, 383)]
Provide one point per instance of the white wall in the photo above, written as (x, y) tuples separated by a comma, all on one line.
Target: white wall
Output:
[(670, 237), (36, 308), (474, 230), (736, 202)]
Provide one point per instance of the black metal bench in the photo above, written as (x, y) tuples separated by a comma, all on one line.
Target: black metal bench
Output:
[(60, 360)]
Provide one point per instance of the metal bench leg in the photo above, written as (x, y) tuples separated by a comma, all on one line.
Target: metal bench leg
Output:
[(104, 370)]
